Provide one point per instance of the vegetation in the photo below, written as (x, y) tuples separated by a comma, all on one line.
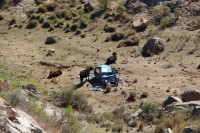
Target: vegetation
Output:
[(32, 24), (104, 3)]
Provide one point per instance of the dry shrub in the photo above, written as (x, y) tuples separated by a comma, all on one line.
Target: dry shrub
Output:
[(132, 97), (108, 89), (144, 95), (46, 24), (32, 24), (117, 36), (51, 6), (129, 42), (175, 122)]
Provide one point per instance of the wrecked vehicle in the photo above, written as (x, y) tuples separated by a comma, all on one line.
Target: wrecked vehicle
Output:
[(106, 74)]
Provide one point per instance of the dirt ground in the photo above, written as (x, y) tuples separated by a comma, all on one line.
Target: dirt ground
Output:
[(173, 70)]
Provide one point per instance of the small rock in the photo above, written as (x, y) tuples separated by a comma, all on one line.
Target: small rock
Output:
[(191, 129)]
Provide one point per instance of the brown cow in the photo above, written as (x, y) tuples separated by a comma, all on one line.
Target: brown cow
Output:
[(55, 73)]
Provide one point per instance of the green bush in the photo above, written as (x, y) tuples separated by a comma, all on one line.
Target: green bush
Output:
[(164, 22), (104, 3), (32, 24), (70, 124), (77, 100), (121, 8)]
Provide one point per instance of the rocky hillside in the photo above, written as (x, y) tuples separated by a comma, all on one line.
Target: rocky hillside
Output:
[(46, 43)]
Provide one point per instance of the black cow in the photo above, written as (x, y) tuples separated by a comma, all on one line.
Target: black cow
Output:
[(112, 59), (85, 74)]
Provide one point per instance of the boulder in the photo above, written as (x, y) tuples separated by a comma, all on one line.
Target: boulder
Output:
[(170, 100), (196, 112), (88, 7), (13, 120), (135, 7), (140, 24), (154, 46), (198, 68), (190, 95), (168, 130), (191, 129), (132, 123), (52, 39), (137, 113)]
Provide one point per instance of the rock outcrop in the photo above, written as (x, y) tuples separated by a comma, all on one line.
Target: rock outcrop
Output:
[(154, 46), (16, 121), (170, 100), (190, 95)]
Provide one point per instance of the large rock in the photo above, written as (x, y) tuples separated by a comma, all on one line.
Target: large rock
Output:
[(190, 95), (16, 121), (154, 46), (170, 100), (52, 39), (191, 129), (136, 7), (140, 24), (196, 112), (88, 7)]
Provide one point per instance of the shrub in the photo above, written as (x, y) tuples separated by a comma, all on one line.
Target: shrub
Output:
[(130, 33), (51, 28), (107, 115), (77, 100), (38, 2), (121, 8), (117, 36), (83, 35), (35, 17), (32, 24), (52, 17), (59, 23), (41, 9), (74, 27), (160, 12), (108, 89), (93, 118), (2, 2), (31, 11), (1, 17), (118, 113), (70, 124), (109, 29), (12, 21), (144, 95), (118, 126), (164, 22), (16, 1), (51, 6), (83, 24), (141, 126), (104, 3), (78, 32), (132, 97), (150, 111), (46, 24), (129, 42)]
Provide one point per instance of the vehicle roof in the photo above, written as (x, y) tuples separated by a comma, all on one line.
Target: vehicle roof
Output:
[(105, 68)]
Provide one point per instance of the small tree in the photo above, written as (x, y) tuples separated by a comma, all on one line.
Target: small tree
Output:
[(104, 3)]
